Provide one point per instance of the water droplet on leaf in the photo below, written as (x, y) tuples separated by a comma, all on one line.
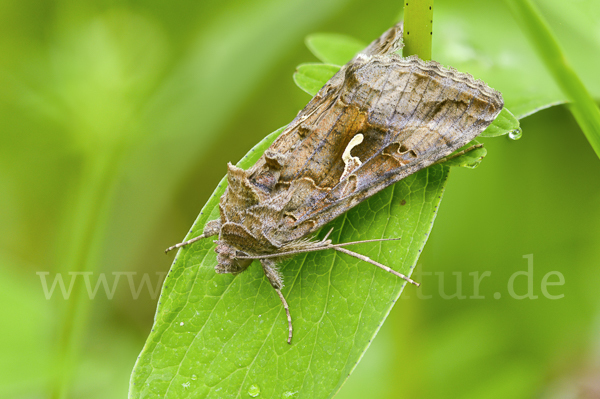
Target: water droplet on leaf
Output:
[(515, 134), (254, 391), (194, 377)]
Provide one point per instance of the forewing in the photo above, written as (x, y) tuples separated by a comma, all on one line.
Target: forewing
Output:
[(411, 113), (378, 120)]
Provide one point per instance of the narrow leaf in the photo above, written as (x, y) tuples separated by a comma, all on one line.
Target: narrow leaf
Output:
[(311, 77), (470, 159), (504, 123), (583, 107)]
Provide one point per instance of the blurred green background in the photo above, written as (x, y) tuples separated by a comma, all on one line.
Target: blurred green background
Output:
[(117, 119)]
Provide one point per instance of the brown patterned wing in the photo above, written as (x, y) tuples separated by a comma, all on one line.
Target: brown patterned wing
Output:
[(388, 118)]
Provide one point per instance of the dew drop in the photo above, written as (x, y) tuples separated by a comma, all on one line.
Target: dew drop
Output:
[(515, 134), (254, 391), (194, 377)]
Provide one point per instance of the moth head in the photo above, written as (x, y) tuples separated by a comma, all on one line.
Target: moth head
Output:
[(227, 259)]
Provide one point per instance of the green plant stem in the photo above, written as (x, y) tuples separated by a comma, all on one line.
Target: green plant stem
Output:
[(583, 106), (83, 237), (418, 23)]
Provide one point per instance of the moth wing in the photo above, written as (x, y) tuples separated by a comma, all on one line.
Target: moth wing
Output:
[(322, 108), (390, 41), (410, 114)]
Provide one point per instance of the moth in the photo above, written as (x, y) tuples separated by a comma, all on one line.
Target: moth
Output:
[(379, 119)]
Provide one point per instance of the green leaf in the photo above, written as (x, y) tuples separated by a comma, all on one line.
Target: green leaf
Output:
[(332, 48), (504, 123), (311, 77), (470, 159), (218, 336)]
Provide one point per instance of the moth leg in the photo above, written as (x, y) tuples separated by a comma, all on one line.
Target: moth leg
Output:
[(458, 154), (371, 261), (277, 283), (327, 235), (212, 228)]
